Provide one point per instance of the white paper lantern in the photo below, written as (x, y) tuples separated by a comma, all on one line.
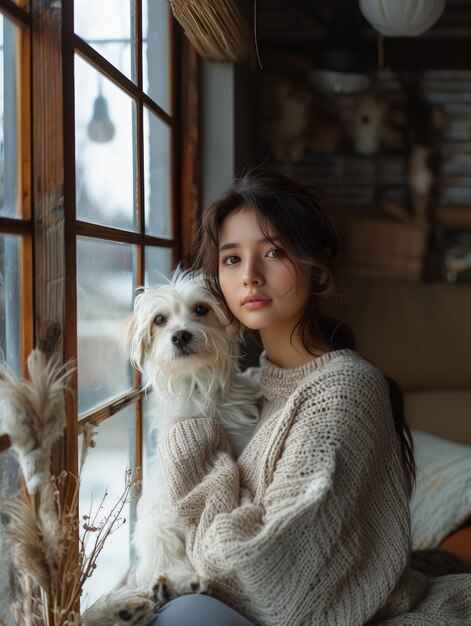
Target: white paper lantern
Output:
[(402, 18)]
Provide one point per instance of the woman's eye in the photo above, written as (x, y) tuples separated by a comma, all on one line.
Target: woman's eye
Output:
[(159, 319), (201, 309), (274, 253), (230, 260)]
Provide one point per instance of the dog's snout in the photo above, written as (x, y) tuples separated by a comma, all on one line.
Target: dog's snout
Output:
[(181, 338)]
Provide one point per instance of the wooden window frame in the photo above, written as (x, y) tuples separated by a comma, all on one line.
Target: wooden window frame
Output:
[(48, 225), (23, 225)]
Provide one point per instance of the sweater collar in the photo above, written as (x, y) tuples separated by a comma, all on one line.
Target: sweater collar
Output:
[(280, 382)]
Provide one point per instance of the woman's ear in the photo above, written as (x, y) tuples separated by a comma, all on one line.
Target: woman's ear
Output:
[(321, 280), (323, 277)]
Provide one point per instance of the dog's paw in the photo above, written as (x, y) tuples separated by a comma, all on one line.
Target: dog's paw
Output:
[(122, 606), (179, 584), (199, 584), (162, 591), (136, 615)]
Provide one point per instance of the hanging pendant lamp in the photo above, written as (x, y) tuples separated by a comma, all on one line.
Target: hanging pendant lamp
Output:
[(402, 18), (100, 128), (341, 64)]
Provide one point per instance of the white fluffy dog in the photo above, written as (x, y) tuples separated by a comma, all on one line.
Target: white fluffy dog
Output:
[(186, 349)]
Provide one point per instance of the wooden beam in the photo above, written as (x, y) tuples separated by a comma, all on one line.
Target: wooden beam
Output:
[(416, 54), (400, 53), (55, 244)]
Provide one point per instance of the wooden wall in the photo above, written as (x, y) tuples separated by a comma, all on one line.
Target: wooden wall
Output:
[(437, 64)]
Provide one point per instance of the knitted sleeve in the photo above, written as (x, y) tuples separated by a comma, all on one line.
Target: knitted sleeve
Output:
[(327, 526)]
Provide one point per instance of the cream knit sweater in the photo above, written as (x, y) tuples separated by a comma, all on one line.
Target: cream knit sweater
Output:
[(311, 525)]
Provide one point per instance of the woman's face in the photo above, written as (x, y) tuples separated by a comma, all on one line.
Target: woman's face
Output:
[(263, 287)]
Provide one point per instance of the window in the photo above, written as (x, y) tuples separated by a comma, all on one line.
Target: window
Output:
[(96, 159)]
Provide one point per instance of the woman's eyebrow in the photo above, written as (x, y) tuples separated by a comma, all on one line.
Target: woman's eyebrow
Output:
[(229, 246)]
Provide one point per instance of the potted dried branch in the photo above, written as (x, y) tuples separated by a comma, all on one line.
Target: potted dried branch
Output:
[(52, 552)]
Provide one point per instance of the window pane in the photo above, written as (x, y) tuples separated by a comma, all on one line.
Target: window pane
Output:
[(158, 265), (9, 155), (157, 176), (10, 301), (9, 485), (10, 474), (104, 472), (107, 26), (104, 299), (156, 51), (105, 147)]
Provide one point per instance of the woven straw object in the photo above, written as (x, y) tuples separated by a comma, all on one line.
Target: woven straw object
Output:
[(217, 29)]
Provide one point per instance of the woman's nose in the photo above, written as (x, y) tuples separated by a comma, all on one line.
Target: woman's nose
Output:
[(252, 275)]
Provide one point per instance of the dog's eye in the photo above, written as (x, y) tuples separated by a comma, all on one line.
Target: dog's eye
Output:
[(201, 309), (160, 319)]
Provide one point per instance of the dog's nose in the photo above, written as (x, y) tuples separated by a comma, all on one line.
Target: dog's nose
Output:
[(181, 338)]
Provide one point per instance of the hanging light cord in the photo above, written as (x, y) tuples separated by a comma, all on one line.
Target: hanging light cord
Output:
[(255, 33), (380, 53)]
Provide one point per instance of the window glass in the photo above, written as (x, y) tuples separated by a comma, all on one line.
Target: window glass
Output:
[(9, 485), (10, 301), (104, 299), (157, 179), (156, 51), (106, 180), (103, 476), (10, 474), (158, 265), (107, 26), (9, 155)]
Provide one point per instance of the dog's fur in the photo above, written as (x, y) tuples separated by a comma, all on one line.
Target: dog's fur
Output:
[(181, 341), (190, 360)]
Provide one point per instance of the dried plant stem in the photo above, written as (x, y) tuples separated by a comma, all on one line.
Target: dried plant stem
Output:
[(52, 557)]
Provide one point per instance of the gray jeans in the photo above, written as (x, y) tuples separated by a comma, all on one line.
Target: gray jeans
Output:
[(197, 610)]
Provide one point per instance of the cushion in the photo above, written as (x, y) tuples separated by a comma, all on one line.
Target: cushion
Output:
[(441, 502)]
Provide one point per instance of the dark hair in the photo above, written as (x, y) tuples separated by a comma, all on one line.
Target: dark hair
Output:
[(296, 213), (396, 398)]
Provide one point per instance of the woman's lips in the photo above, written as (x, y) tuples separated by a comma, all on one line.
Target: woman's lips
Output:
[(252, 303)]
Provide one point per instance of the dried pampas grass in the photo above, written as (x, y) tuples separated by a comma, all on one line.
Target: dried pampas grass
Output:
[(217, 29), (24, 538), (51, 555), (32, 414)]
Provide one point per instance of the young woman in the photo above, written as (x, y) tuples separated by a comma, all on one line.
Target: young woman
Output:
[(311, 525)]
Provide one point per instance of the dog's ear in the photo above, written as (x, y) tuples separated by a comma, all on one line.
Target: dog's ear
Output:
[(127, 328), (132, 342)]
